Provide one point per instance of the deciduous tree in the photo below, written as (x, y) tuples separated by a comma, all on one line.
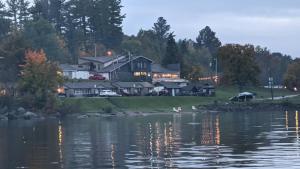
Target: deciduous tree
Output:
[(39, 81), (239, 65), (292, 76)]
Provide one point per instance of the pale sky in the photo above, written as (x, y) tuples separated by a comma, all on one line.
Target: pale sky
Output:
[(269, 23)]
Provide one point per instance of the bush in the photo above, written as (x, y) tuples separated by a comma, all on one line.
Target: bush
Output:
[(69, 108), (6, 101), (107, 110)]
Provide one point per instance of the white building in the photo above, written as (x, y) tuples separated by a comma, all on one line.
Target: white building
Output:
[(74, 71)]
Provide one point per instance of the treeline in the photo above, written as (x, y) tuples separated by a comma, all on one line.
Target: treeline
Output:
[(68, 29)]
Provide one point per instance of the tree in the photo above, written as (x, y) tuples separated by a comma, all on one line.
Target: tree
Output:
[(55, 14), (12, 49), (195, 72), (238, 64), (207, 39), (13, 6), (172, 55), (23, 14), (292, 75), (41, 35), (4, 21), (106, 22), (161, 29), (39, 81)]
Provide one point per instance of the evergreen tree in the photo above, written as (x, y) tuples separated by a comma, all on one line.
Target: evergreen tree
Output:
[(172, 55), (161, 29), (4, 21), (23, 12), (55, 14), (13, 6), (40, 9), (207, 39), (41, 35)]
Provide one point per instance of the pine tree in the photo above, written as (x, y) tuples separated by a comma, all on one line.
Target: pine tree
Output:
[(55, 14), (23, 14), (172, 55), (13, 6), (161, 29), (207, 39), (4, 21)]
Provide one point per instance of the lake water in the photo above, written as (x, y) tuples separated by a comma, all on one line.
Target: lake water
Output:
[(224, 140)]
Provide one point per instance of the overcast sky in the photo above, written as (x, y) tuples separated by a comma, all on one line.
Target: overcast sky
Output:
[(270, 23)]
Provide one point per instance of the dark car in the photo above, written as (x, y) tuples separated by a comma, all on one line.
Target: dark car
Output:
[(243, 97), (96, 77)]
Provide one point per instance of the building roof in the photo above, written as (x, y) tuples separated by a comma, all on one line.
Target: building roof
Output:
[(158, 68), (128, 85), (147, 84), (101, 59), (170, 85), (67, 67), (133, 84), (174, 67), (112, 67)]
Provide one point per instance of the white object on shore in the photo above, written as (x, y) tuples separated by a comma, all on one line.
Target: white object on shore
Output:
[(177, 110), (194, 108)]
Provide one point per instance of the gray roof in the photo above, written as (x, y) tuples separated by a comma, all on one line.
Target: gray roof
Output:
[(133, 84), (120, 63), (170, 85), (157, 68), (174, 67), (102, 59), (67, 67), (128, 84), (147, 84), (82, 85)]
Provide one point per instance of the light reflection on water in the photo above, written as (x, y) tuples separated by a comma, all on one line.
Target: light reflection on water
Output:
[(196, 140)]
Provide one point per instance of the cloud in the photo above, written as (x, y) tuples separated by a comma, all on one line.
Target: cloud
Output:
[(275, 24)]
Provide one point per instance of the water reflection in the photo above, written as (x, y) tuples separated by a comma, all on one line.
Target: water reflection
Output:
[(197, 140)]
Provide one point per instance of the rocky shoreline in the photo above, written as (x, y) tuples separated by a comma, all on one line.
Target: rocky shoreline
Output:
[(251, 107), (22, 114)]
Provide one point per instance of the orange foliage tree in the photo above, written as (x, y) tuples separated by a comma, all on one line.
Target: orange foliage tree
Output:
[(39, 81)]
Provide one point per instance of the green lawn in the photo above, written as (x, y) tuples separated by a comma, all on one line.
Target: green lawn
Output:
[(155, 103)]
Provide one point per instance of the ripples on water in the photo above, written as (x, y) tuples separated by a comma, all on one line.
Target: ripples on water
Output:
[(225, 140)]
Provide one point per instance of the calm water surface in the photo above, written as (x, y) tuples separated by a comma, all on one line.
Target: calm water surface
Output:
[(225, 140)]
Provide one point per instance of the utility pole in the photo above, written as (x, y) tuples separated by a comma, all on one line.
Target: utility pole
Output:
[(217, 70), (271, 81)]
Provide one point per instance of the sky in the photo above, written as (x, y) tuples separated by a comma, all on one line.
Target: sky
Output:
[(274, 24)]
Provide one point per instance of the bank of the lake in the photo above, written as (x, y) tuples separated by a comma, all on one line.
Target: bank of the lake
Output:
[(165, 104)]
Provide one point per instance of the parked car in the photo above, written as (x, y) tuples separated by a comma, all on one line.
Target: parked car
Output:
[(108, 93), (242, 97), (96, 77)]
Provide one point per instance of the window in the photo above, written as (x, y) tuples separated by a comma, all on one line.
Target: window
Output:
[(140, 74)]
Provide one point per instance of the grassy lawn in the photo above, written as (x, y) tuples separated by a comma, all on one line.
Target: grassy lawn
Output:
[(227, 92), (158, 104)]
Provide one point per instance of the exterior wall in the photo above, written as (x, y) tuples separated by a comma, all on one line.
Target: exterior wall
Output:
[(81, 75), (76, 74), (137, 70), (98, 66)]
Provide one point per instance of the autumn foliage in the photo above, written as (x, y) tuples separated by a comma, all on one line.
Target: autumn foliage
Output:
[(39, 81)]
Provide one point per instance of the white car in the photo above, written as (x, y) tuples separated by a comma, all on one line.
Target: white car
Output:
[(108, 93)]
